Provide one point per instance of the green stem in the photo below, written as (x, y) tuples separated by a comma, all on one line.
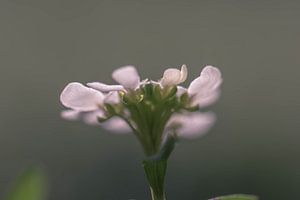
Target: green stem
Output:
[(157, 196), (155, 172), (156, 166)]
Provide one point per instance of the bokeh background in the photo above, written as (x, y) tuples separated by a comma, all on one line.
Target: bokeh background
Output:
[(254, 147)]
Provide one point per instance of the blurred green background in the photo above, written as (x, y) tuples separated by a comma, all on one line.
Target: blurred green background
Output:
[(254, 147)]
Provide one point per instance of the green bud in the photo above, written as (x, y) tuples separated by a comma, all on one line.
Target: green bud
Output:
[(169, 92), (184, 99), (148, 90), (157, 93)]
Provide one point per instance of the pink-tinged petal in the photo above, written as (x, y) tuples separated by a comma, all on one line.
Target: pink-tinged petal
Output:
[(206, 87), (207, 100), (112, 98), (173, 76), (192, 125), (104, 87), (183, 73), (91, 118), (79, 97), (116, 125), (127, 76), (180, 91), (71, 115)]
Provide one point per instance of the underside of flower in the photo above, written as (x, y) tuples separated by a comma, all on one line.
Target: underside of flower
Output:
[(152, 110), (147, 111)]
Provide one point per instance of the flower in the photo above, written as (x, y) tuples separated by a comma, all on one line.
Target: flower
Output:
[(151, 109), (205, 90), (86, 104)]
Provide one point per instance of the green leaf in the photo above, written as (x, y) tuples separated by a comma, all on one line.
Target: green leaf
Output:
[(31, 185), (236, 197), (167, 148)]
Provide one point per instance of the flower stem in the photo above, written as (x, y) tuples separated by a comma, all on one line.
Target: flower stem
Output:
[(157, 196), (156, 166), (155, 171)]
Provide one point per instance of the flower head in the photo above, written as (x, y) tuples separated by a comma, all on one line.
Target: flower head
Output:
[(150, 109)]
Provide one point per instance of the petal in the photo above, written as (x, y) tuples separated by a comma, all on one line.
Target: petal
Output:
[(173, 76), (192, 125), (127, 76), (104, 87), (71, 115), (81, 98), (183, 73), (207, 100), (112, 98), (116, 125), (91, 118), (206, 86)]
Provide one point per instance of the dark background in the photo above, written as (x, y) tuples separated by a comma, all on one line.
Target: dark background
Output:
[(254, 147)]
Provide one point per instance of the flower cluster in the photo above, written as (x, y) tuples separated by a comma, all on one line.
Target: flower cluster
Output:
[(150, 109)]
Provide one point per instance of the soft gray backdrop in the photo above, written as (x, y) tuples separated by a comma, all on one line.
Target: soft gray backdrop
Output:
[(254, 147)]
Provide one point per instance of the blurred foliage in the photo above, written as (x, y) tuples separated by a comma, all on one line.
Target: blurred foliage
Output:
[(236, 197), (31, 185)]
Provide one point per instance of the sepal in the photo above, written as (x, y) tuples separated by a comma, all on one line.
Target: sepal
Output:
[(169, 92)]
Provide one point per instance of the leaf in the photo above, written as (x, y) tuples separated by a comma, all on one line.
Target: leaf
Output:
[(236, 197), (31, 185), (167, 147)]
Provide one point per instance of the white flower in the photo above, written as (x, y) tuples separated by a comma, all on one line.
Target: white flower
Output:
[(86, 104), (89, 103), (205, 90), (174, 76), (81, 98)]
